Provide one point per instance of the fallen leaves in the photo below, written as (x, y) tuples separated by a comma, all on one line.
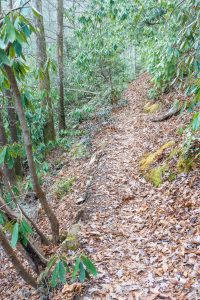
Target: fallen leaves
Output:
[(155, 227), (145, 241)]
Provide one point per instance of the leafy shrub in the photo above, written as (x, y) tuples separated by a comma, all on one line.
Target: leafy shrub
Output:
[(82, 269), (153, 94), (82, 114)]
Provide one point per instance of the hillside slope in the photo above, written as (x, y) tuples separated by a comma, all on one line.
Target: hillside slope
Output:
[(145, 241)]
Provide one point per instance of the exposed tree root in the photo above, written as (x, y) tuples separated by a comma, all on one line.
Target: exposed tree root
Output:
[(173, 111)]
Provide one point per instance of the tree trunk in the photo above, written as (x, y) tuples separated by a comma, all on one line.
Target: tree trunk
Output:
[(33, 253), (44, 84), (10, 4), (3, 142), (12, 119), (28, 278), (43, 238), (60, 53), (28, 145)]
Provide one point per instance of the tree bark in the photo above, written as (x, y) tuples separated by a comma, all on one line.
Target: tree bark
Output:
[(12, 119), (43, 238), (60, 53), (33, 253), (10, 4), (3, 142), (28, 145), (28, 278), (44, 83)]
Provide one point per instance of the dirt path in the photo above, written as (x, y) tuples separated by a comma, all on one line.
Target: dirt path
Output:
[(139, 236), (145, 241)]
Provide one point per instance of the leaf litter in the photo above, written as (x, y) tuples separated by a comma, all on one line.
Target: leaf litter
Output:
[(145, 241)]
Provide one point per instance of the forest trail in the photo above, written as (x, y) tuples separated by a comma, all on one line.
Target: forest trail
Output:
[(99, 176), (139, 236), (144, 240)]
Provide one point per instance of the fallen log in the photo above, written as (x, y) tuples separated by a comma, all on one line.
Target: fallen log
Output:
[(173, 111)]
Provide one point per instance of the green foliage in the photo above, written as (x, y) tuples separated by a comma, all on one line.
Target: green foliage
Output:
[(15, 235), (168, 33), (153, 94), (20, 230), (15, 31), (171, 42), (96, 72), (25, 231), (9, 153), (59, 274), (2, 218), (96, 60), (83, 267), (191, 144), (64, 186), (196, 121), (82, 114)]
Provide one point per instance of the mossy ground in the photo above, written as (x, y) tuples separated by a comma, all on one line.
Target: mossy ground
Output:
[(155, 165), (155, 175), (151, 158)]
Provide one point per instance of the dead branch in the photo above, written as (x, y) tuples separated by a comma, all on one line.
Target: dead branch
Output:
[(91, 174)]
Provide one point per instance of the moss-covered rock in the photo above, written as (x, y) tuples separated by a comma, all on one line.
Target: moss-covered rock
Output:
[(151, 158), (155, 175), (150, 108), (72, 240), (162, 164)]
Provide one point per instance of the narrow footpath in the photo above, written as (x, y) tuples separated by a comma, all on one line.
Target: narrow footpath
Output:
[(145, 240)]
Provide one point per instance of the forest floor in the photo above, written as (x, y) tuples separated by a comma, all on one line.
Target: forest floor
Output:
[(145, 241)]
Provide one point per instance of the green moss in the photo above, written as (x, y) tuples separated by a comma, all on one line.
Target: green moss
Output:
[(64, 187), (184, 165), (155, 175), (175, 158), (172, 176), (72, 240), (151, 158), (150, 108), (174, 152)]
